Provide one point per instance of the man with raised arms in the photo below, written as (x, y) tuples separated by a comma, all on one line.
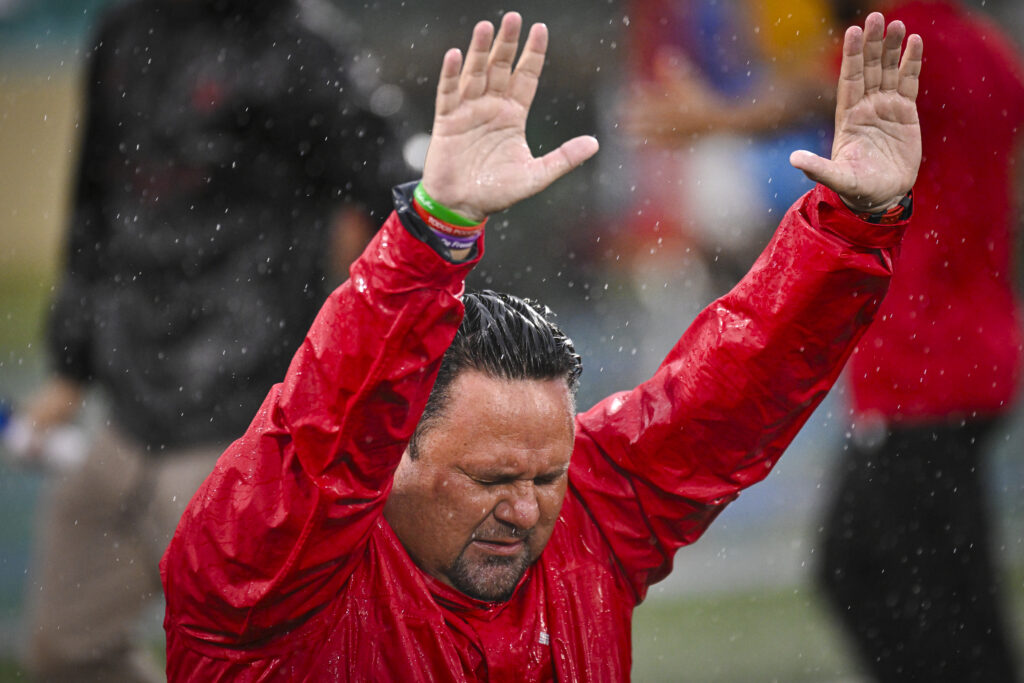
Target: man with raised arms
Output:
[(417, 500)]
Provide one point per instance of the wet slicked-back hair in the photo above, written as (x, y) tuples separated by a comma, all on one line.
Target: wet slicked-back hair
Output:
[(504, 337)]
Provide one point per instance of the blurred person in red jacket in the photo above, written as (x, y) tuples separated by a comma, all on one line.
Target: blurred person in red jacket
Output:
[(908, 561), (907, 556), (417, 501)]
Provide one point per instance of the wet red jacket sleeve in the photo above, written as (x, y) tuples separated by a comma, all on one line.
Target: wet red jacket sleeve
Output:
[(273, 533), (654, 466)]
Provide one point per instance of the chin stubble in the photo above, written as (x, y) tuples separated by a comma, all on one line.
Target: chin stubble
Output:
[(493, 578)]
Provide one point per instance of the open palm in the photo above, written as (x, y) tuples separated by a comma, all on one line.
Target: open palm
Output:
[(876, 151), (478, 161)]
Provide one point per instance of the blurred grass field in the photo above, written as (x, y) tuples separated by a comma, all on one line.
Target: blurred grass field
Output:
[(755, 636)]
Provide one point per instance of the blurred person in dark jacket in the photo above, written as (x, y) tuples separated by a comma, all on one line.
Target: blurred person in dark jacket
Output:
[(908, 559), (226, 143)]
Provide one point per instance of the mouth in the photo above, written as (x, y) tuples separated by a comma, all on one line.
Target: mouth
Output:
[(506, 547)]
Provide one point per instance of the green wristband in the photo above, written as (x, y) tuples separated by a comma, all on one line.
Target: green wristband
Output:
[(440, 210)]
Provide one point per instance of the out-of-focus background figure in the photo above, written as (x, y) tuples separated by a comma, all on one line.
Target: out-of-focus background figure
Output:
[(226, 145), (907, 557), (719, 107), (907, 561)]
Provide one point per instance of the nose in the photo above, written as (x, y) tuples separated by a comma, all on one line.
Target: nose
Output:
[(519, 506)]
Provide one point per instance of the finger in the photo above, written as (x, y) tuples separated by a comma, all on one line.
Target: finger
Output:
[(503, 53), (874, 29), (891, 55), (473, 81), (557, 163), (910, 67), (448, 83), (524, 79), (819, 169), (851, 72)]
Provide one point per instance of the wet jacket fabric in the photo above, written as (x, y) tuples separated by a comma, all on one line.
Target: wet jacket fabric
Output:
[(948, 339), (283, 567), (220, 136)]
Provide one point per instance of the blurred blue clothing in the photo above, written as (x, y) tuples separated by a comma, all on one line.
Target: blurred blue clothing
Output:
[(715, 34)]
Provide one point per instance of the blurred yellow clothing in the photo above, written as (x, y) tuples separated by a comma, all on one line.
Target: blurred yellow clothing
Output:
[(793, 35)]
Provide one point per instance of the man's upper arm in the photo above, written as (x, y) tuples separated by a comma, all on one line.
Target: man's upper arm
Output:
[(276, 529), (655, 465)]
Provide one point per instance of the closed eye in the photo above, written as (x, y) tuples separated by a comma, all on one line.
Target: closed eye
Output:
[(547, 479), (542, 480), (501, 481)]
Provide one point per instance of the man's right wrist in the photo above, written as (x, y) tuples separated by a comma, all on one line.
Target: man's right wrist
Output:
[(416, 226), (455, 231), (453, 216)]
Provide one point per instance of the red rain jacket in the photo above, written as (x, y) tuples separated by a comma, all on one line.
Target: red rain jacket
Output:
[(283, 567)]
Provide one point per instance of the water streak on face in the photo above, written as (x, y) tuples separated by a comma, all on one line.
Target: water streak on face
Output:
[(478, 505)]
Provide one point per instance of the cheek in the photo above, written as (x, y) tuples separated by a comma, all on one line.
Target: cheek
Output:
[(458, 508), (550, 503), (554, 497)]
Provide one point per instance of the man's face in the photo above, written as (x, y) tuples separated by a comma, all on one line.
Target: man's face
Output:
[(478, 505)]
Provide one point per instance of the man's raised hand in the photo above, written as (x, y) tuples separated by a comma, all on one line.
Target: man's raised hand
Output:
[(478, 162), (876, 150)]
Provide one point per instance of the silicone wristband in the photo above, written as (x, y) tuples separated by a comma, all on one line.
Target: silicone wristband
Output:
[(443, 213), (456, 242), (443, 228)]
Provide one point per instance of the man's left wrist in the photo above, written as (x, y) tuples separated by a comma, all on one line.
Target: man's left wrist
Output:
[(896, 213)]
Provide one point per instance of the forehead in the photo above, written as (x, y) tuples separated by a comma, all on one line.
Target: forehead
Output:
[(503, 424)]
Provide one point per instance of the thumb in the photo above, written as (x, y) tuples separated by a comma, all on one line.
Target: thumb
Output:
[(568, 156), (817, 168)]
